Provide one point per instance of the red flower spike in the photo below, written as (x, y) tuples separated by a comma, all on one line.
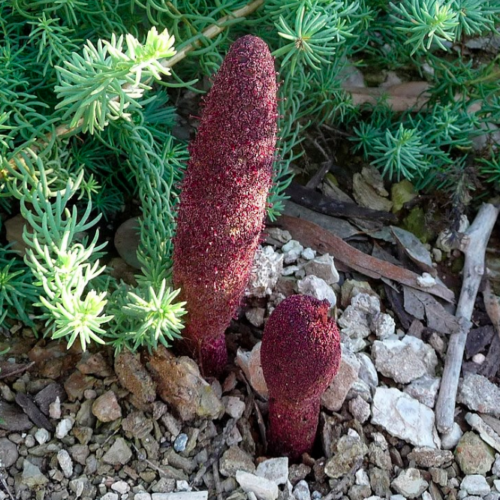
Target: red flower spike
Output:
[(223, 197), (300, 356)]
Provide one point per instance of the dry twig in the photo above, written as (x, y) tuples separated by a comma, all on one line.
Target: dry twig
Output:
[(474, 248)]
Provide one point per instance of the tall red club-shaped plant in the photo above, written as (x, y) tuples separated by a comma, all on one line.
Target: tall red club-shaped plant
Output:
[(223, 197), (300, 355)]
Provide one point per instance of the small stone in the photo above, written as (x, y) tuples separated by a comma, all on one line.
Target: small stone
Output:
[(404, 360), (297, 472), (32, 476), (410, 483), (323, 267), (256, 316), (367, 370), (426, 280), (318, 288), (180, 384), (181, 495), (274, 469), (266, 269), (380, 482), (404, 417), (479, 394), (383, 325), (359, 409), (235, 459), (362, 478), (121, 487), (473, 455), (142, 496), (496, 466), (301, 491), (106, 407), (349, 451), (478, 358), (439, 476), (41, 436), (354, 324), (451, 439), (424, 389), (119, 453), (308, 254), (65, 463), (496, 483), (79, 453), (180, 442), (488, 435), (235, 407), (366, 303), (292, 251), (8, 453), (110, 496), (63, 428), (430, 457), (475, 484), (260, 486), (333, 398)]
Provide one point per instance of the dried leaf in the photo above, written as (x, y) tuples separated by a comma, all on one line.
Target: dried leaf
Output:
[(414, 248), (423, 306)]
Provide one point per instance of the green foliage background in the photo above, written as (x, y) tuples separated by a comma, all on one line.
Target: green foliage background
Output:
[(87, 122)]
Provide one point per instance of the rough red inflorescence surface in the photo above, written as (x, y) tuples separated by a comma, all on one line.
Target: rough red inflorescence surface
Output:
[(300, 355), (223, 197)]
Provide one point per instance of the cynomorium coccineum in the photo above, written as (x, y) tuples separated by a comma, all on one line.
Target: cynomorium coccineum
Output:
[(300, 355), (223, 197)]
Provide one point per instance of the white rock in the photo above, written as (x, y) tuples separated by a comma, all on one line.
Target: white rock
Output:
[(383, 325), (290, 270), (121, 487), (333, 398), (496, 466), (410, 483), (65, 463), (323, 267), (318, 288), (274, 469), (451, 439), (256, 316), (478, 358), (110, 496), (234, 406), (143, 495), (425, 389), (182, 485), (359, 409), (426, 280), (251, 365), (362, 478), (475, 484), (367, 370), (308, 254), (354, 323), (292, 251), (301, 491), (496, 483), (266, 270), (367, 303), (55, 409), (397, 497), (479, 394), (426, 496), (181, 495), (404, 417), (404, 360), (63, 427), (487, 433), (42, 436), (260, 486)]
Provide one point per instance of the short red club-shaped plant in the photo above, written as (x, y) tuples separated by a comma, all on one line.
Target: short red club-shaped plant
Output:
[(223, 197), (300, 355)]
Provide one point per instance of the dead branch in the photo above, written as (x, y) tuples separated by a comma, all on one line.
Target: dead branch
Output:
[(476, 239)]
